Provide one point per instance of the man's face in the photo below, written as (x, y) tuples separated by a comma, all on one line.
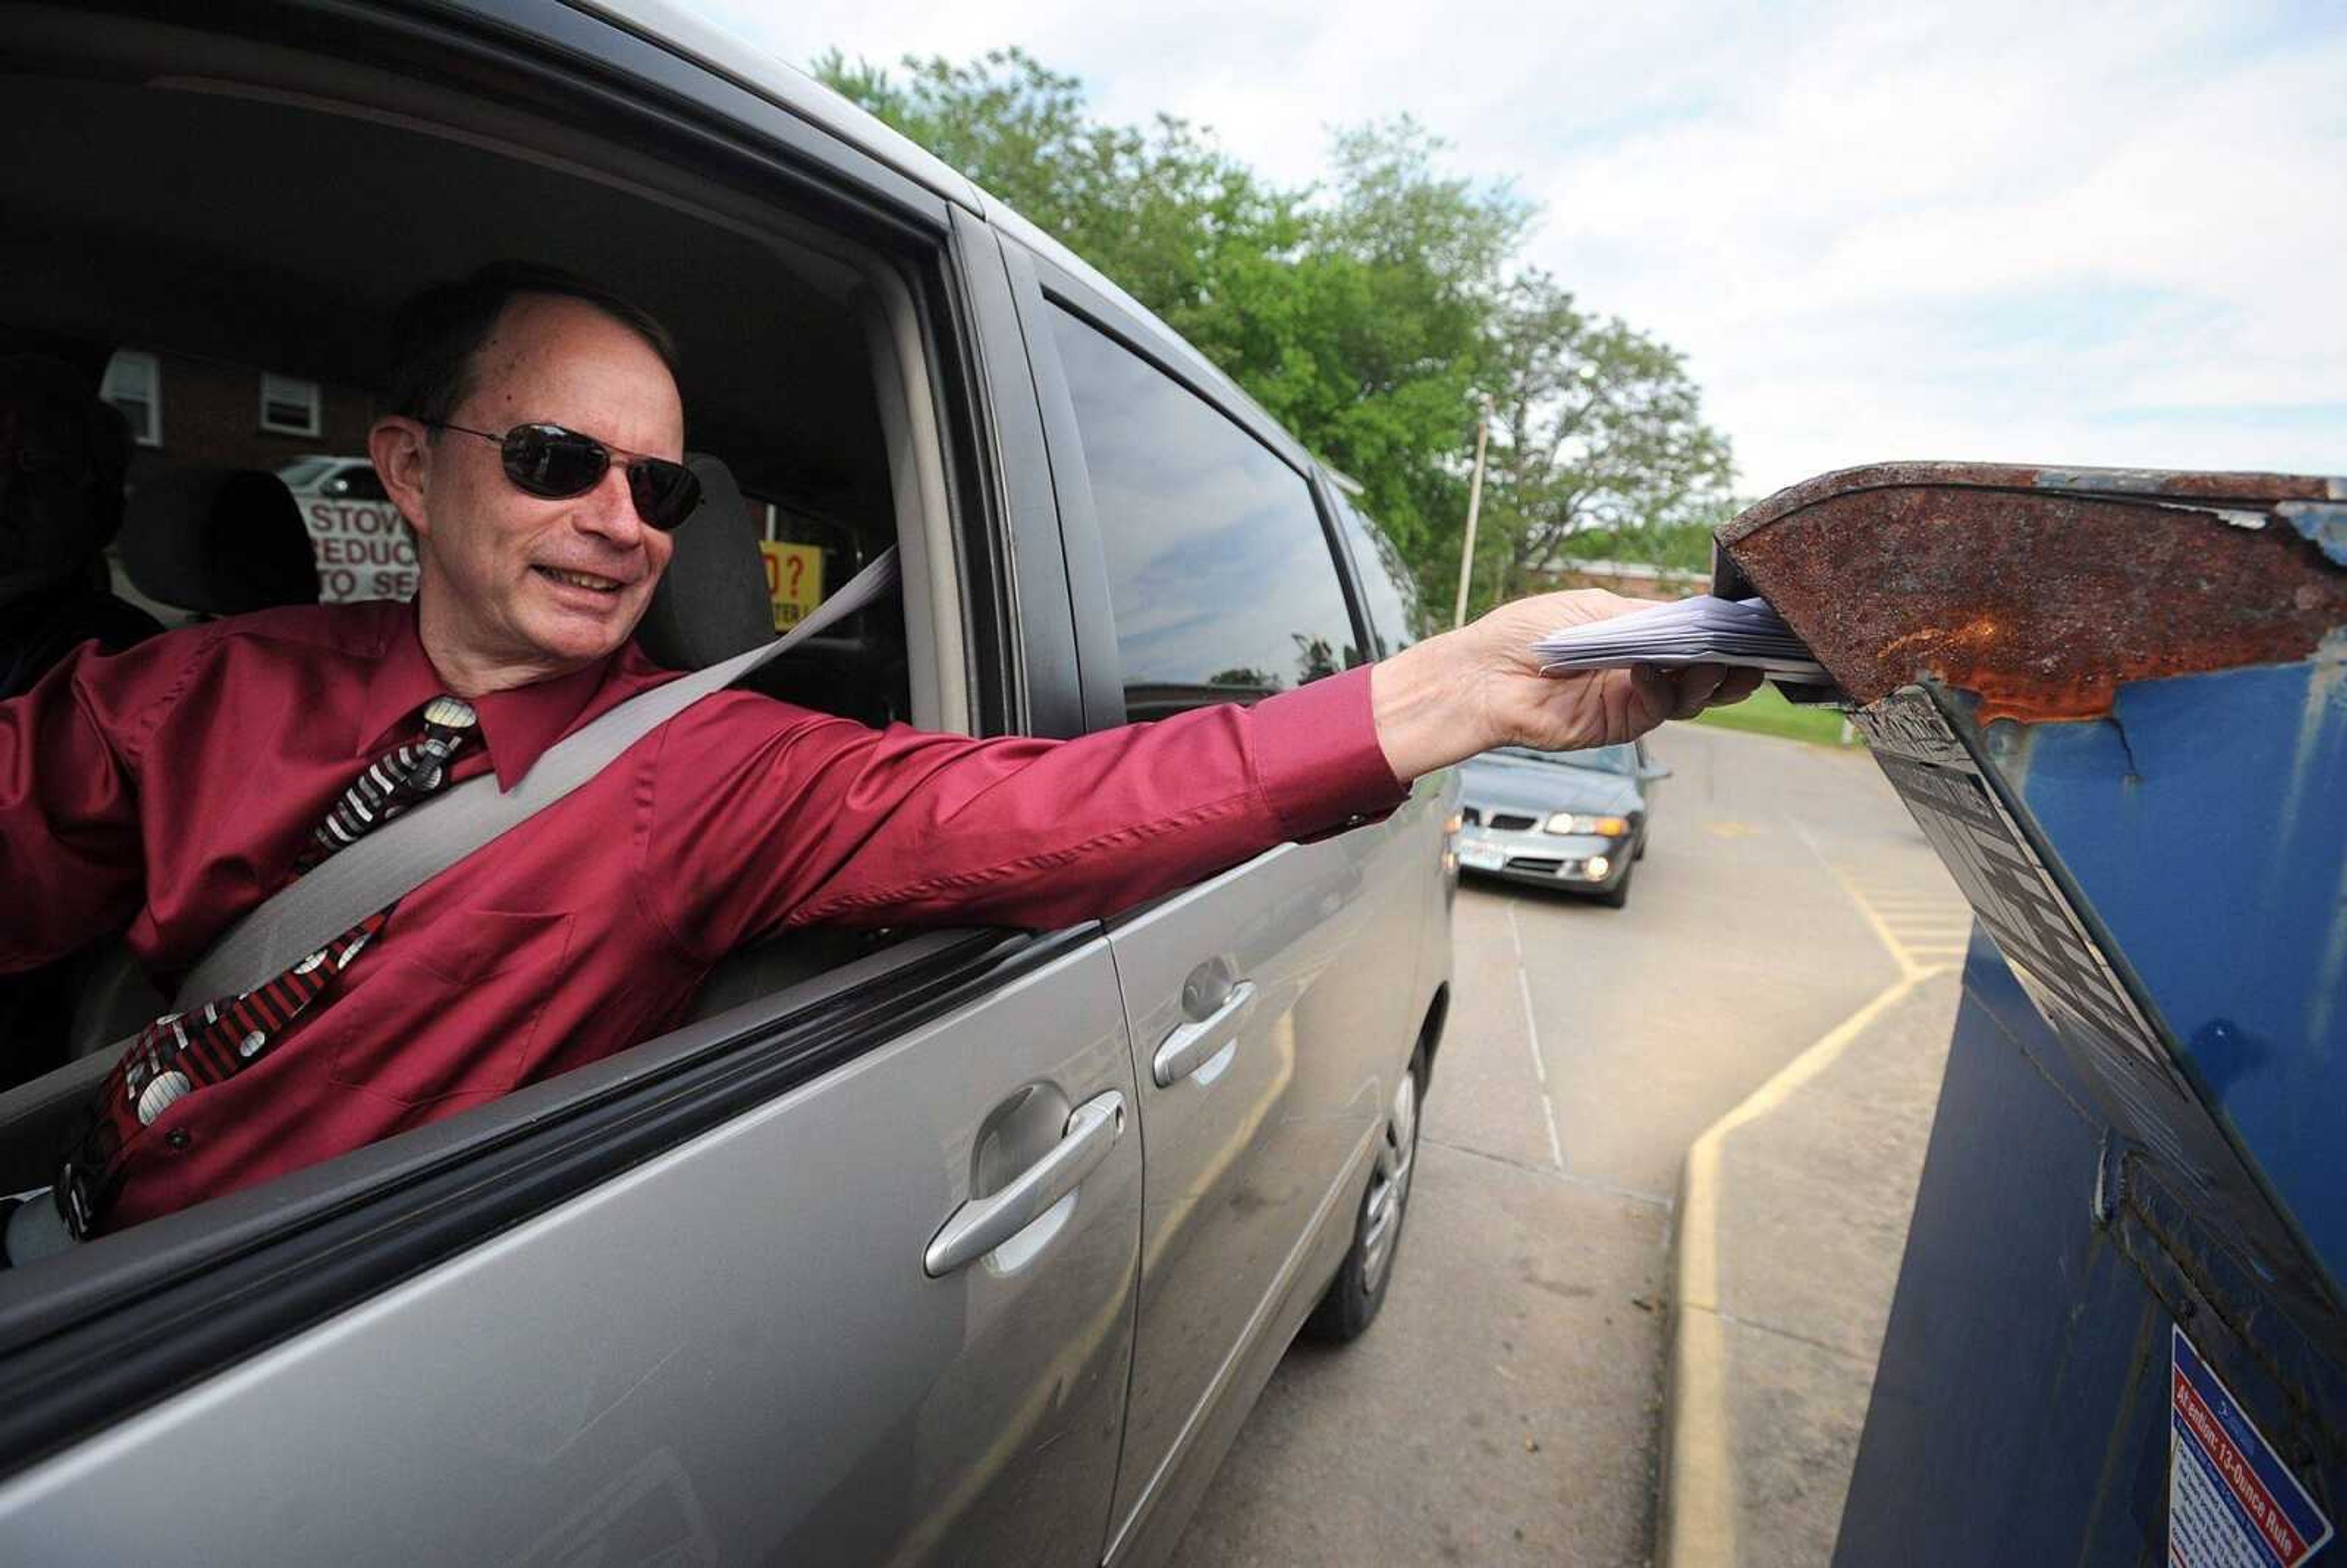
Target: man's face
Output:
[(518, 582)]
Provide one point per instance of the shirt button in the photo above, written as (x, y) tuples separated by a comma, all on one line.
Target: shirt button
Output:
[(178, 1138)]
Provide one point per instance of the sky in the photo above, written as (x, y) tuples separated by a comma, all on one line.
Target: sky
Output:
[(2067, 233)]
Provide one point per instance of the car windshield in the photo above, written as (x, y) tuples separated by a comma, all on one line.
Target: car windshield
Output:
[(1623, 760), (303, 472)]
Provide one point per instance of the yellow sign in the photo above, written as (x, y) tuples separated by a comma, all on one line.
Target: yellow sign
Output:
[(793, 581)]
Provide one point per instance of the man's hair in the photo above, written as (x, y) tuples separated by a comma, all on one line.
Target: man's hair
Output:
[(437, 333)]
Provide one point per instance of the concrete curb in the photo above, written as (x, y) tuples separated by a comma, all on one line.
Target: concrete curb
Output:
[(1695, 1512)]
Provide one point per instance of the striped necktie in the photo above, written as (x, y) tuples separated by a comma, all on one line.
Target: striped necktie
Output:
[(181, 1052)]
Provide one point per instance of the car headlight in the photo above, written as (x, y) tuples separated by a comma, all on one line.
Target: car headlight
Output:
[(1603, 826)]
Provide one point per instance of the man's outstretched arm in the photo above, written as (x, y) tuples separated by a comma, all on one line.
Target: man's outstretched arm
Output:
[(760, 815)]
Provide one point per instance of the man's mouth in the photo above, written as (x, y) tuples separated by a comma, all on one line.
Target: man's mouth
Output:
[(585, 580)]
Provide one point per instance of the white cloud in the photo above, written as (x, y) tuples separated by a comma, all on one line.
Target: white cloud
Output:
[(2086, 234)]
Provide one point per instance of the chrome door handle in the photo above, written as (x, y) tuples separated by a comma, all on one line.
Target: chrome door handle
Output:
[(981, 1225), (1192, 1045)]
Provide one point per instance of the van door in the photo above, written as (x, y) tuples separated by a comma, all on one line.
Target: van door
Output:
[(748, 1347), (1268, 1020), (843, 1275)]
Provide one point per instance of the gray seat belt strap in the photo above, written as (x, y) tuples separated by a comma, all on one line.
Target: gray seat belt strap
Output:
[(409, 851)]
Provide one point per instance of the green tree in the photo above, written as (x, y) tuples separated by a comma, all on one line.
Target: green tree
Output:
[(1597, 442), (1162, 211), (1362, 313), (1367, 341)]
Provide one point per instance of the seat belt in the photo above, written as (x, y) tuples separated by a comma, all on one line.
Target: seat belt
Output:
[(410, 850)]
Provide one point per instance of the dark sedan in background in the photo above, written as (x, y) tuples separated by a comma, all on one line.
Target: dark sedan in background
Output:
[(1574, 820)]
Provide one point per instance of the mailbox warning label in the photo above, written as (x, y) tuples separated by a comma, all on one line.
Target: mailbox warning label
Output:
[(2231, 1503)]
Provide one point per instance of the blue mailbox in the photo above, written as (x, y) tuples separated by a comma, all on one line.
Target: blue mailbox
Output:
[(2115, 702)]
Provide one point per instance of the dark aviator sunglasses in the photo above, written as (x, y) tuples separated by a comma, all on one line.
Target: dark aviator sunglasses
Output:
[(551, 461)]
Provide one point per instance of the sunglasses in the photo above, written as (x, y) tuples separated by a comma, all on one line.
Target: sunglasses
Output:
[(549, 461)]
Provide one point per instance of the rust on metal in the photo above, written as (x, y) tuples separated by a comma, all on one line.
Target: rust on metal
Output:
[(2040, 590)]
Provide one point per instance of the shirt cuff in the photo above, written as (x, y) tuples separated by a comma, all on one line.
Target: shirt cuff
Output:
[(1317, 760)]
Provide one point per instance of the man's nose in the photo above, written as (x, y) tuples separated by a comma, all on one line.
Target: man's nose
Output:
[(608, 511)]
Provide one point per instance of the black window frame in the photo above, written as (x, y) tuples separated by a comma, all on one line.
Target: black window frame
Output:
[(1337, 502)]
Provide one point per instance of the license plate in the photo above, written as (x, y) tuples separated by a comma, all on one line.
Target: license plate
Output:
[(1483, 857)]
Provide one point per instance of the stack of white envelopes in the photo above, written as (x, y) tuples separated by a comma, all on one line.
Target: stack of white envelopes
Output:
[(1699, 631)]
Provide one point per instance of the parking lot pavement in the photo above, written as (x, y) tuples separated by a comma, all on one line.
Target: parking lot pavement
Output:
[(1506, 1409), (1793, 1220)]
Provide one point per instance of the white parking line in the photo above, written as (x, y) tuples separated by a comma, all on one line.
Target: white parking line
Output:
[(1531, 1041), (1531, 1036)]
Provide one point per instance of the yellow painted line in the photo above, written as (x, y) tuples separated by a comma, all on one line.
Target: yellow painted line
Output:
[(1698, 1525), (1883, 932)]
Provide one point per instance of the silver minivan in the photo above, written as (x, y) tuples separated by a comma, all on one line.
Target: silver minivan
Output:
[(905, 1247)]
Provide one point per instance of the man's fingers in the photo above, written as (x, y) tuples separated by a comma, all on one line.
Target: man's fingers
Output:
[(1656, 694), (1739, 684), (1696, 684)]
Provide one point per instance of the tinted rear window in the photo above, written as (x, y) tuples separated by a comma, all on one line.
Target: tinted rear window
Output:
[(1220, 575)]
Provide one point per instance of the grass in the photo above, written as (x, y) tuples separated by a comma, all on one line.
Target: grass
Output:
[(1765, 712)]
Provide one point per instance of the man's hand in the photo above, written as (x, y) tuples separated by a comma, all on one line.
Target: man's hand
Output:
[(1468, 691)]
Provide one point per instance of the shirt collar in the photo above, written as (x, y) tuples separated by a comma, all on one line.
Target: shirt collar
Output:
[(516, 724)]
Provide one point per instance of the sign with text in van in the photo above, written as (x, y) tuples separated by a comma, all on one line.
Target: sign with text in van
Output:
[(363, 546), (793, 581), (364, 550)]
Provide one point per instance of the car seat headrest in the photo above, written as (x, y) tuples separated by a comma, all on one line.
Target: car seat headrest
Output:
[(219, 541), (712, 602)]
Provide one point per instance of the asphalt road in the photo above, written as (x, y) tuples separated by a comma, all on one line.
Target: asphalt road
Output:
[(1505, 1408)]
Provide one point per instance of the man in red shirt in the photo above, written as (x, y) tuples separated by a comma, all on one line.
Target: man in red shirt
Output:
[(175, 786)]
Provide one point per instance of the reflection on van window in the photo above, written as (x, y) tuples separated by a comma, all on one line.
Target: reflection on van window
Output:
[(1220, 575)]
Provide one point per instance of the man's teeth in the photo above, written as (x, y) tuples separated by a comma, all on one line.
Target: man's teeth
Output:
[(581, 579)]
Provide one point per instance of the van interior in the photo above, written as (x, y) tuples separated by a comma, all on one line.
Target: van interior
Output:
[(241, 249)]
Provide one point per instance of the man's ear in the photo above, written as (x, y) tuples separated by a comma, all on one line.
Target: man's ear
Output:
[(402, 450)]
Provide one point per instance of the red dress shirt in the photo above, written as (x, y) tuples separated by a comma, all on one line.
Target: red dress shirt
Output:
[(171, 787)]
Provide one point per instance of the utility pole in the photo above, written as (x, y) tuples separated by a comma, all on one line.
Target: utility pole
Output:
[(1474, 506)]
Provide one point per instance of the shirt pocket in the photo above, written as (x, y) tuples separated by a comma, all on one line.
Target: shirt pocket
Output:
[(453, 1008)]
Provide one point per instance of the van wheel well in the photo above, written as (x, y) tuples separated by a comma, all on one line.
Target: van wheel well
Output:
[(1429, 1034)]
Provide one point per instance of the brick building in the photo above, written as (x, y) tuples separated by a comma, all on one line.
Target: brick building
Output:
[(186, 411)]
